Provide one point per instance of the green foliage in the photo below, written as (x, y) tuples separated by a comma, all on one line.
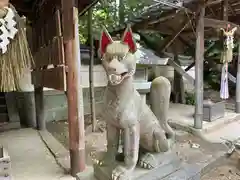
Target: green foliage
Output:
[(107, 14), (190, 98)]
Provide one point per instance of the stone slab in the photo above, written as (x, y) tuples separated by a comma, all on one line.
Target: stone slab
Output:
[(88, 174), (30, 158), (57, 149), (168, 163), (138, 174), (187, 172), (169, 170)]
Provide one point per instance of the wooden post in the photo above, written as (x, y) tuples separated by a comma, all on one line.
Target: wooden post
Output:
[(91, 77), (225, 10), (178, 84), (121, 13), (74, 90), (237, 106), (40, 111), (199, 70)]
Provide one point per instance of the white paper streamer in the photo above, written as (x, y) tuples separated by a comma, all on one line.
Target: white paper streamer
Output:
[(8, 29), (224, 92)]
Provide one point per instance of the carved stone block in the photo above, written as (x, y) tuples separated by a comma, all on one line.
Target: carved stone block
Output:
[(168, 163), (104, 173), (5, 165), (213, 111)]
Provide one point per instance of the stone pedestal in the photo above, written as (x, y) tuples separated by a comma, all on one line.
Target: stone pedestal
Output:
[(171, 166), (5, 165), (213, 111)]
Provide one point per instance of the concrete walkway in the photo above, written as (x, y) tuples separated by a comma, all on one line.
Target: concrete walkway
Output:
[(30, 158), (230, 132), (225, 128)]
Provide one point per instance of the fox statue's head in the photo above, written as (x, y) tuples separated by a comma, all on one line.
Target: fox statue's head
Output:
[(118, 57)]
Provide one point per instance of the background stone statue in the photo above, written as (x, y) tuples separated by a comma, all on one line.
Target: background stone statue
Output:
[(125, 111)]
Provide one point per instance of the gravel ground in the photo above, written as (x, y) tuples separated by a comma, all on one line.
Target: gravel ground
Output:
[(227, 171), (94, 141)]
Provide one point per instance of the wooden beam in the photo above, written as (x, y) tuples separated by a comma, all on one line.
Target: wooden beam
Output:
[(74, 90), (169, 40), (180, 70), (218, 24), (190, 66), (91, 66), (224, 7), (178, 84), (54, 78), (198, 120), (144, 24), (237, 106), (214, 2), (205, 53)]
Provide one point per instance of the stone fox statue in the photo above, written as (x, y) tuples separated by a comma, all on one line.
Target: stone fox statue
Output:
[(124, 109)]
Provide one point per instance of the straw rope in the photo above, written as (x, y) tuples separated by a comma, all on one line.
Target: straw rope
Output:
[(17, 58)]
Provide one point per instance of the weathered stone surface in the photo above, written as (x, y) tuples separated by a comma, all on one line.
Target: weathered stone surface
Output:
[(5, 166), (128, 117), (168, 163)]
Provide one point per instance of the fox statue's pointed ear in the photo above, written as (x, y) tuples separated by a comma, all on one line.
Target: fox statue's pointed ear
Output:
[(129, 39), (104, 41)]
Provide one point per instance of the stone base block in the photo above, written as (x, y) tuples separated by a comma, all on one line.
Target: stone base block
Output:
[(170, 167), (167, 163), (5, 165), (88, 174)]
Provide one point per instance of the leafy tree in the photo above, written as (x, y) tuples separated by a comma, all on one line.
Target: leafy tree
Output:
[(109, 13)]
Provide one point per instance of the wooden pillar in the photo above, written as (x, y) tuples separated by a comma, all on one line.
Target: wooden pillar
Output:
[(40, 111), (199, 70), (178, 84), (237, 106), (91, 77), (74, 90), (225, 10)]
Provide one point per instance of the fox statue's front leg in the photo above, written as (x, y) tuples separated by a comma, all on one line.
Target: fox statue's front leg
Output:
[(131, 150), (113, 134)]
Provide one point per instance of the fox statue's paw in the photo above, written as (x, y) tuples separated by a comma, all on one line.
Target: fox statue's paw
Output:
[(121, 173), (148, 161), (106, 160)]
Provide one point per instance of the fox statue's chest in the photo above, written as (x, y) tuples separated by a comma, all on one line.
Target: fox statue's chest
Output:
[(122, 111)]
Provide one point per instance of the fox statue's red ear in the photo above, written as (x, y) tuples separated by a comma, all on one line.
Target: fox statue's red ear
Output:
[(129, 39), (104, 41)]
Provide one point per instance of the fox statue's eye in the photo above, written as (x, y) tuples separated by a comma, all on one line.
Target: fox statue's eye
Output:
[(120, 58)]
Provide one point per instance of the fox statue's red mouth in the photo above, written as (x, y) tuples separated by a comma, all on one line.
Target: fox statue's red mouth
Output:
[(116, 79)]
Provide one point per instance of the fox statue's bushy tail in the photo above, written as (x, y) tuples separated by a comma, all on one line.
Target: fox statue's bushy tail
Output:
[(159, 101)]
